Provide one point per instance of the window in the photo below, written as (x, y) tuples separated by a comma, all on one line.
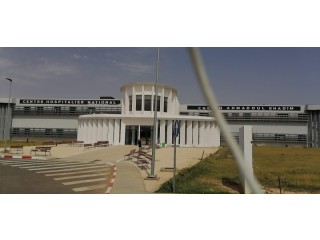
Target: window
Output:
[(73, 110), (27, 109), (130, 103), (16, 131), (48, 132), (247, 115), (165, 107), (235, 115), (39, 110), (138, 102), (91, 109), (158, 102), (59, 131), (26, 131), (147, 102), (280, 137), (283, 115), (57, 109)]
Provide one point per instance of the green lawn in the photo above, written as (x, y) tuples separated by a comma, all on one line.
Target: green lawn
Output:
[(298, 170)]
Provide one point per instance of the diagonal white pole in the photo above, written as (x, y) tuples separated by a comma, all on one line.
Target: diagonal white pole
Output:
[(211, 100)]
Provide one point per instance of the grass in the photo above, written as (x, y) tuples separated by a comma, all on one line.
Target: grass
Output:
[(298, 167), (298, 170)]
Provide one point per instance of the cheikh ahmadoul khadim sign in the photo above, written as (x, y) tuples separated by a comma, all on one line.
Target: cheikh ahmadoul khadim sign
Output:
[(247, 108)]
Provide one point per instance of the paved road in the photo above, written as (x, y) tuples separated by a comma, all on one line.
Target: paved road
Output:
[(54, 176)]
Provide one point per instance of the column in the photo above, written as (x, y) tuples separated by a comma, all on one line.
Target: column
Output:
[(85, 132), (162, 131), (133, 100), (142, 100), (111, 131), (80, 129), (100, 130), (201, 134), (116, 131), (122, 133), (182, 133), (95, 131), (126, 102), (84, 129), (189, 133), (195, 133), (210, 137), (162, 101), (105, 128), (207, 134), (170, 103), (216, 135), (169, 133), (90, 128)]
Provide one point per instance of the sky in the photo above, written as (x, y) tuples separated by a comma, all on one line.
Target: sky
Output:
[(239, 75)]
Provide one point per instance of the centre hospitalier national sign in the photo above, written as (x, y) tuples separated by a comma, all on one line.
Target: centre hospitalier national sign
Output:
[(70, 101)]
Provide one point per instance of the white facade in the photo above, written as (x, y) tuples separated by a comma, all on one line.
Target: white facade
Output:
[(125, 120), (136, 120)]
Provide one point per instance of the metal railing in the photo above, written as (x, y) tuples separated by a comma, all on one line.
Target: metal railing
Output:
[(274, 138), (73, 111), (44, 132), (252, 117)]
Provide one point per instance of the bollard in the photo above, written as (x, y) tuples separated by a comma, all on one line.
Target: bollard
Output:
[(245, 140)]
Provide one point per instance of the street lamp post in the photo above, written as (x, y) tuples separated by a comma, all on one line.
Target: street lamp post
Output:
[(6, 118), (154, 132)]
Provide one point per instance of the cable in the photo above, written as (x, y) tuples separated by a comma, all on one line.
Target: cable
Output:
[(211, 100)]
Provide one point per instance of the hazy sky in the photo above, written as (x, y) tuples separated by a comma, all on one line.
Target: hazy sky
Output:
[(238, 75)]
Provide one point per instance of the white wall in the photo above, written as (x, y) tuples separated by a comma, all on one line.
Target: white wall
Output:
[(286, 127), (43, 122), (198, 133)]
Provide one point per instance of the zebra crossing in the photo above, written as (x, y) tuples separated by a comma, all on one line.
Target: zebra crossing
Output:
[(81, 176)]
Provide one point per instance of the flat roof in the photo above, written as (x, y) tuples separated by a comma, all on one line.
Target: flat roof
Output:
[(147, 83), (313, 107)]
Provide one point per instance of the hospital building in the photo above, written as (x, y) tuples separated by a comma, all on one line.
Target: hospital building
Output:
[(129, 119)]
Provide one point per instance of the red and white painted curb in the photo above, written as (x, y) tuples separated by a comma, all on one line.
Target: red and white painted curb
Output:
[(22, 157), (113, 179)]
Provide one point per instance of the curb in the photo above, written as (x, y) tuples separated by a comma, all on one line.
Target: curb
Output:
[(112, 180), (21, 157)]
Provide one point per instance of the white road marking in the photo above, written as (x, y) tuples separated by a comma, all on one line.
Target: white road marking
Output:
[(85, 181), (73, 173), (70, 169), (34, 164), (28, 161), (79, 165), (94, 187), (82, 176), (52, 166)]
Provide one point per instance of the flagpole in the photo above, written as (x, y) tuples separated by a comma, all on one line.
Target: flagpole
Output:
[(155, 128)]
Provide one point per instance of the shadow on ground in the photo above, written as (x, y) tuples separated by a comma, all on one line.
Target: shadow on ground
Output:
[(232, 183)]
